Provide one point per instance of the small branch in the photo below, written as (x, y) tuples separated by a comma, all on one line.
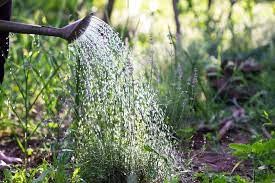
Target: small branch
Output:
[(176, 17), (108, 11), (209, 4), (266, 133)]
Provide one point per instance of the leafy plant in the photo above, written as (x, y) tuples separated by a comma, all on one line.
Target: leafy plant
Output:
[(119, 131), (261, 153), (219, 178), (57, 171)]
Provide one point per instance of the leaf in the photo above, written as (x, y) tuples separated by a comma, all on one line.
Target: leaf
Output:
[(241, 149), (42, 177), (20, 145), (148, 148), (236, 166), (258, 148), (265, 114), (44, 20), (29, 151), (75, 176), (53, 125), (172, 180), (8, 174), (263, 167)]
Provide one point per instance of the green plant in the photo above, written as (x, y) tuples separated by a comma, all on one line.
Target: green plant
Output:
[(182, 88), (56, 171), (119, 131), (219, 178), (29, 96), (261, 154)]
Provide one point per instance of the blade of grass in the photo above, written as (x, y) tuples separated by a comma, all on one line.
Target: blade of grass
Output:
[(45, 86)]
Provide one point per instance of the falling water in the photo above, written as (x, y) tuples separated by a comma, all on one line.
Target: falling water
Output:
[(120, 124)]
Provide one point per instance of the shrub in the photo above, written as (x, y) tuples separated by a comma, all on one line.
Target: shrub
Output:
[(119, 132)]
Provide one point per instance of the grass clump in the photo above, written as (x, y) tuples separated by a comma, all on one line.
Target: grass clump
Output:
[(120, 132)]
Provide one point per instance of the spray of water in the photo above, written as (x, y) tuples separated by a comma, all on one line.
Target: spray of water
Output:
[(120, 127)]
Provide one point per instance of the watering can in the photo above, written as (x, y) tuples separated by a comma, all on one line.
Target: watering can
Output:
[(70, 32)]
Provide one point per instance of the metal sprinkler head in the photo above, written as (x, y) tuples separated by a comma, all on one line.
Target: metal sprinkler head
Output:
[(73, 31)]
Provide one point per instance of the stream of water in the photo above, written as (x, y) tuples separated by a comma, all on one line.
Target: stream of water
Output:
[(120, 121)]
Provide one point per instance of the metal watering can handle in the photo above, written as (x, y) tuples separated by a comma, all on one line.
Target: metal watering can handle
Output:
[(17, 27), (5, 14), (69, 32)]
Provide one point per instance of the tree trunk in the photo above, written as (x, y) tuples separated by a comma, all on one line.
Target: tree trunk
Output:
[(176, 17), (5, 14), (209, 4), (108, 11)]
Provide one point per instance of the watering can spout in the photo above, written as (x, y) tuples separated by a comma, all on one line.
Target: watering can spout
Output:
[(74, 30), (70, 32)]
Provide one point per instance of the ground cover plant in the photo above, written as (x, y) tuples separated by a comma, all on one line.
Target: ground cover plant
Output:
[(178, 94)]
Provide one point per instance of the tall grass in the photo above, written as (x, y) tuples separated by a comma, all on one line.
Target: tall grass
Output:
[(119, 132), (180, 83)]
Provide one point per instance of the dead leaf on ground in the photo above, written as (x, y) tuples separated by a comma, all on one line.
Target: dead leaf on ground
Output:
[(8, 159)]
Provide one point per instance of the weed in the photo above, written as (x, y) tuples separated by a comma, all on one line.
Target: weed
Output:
[(261, 154)]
